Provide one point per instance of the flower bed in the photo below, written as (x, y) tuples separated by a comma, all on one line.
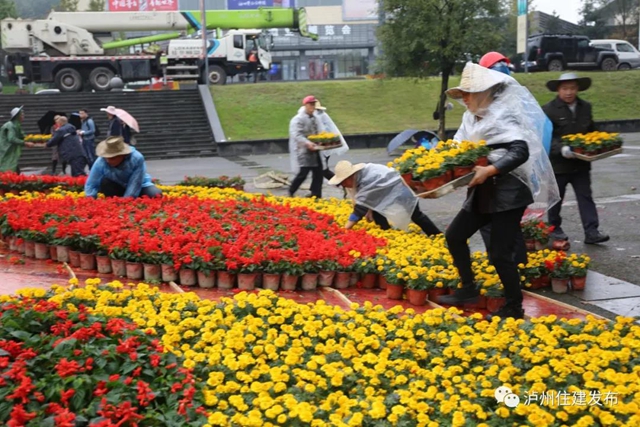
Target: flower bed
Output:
[(264, 360), (593, 143), (223, 181), (427, 169), (13, 182), (88, 369)]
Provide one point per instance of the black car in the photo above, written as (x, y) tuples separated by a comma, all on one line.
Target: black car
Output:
[(550, 52)]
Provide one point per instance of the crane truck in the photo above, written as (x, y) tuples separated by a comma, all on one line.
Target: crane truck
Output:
[(76, 50)]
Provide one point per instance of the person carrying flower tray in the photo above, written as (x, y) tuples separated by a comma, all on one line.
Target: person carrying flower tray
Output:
[(304, 154)]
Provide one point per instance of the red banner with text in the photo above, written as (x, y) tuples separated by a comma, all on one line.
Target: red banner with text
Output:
[(142, 5)]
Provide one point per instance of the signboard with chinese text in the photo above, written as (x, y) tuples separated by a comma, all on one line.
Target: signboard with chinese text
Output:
[(359, 10), (326, 33), (142, 5), (255, 4)]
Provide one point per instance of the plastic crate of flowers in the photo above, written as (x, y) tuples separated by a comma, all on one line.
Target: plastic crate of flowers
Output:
[(326, 140), (593, 143)]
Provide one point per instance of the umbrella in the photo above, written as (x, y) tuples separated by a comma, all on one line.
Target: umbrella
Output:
[(127, 119), (46, 122), (75, 120), (405, 136)]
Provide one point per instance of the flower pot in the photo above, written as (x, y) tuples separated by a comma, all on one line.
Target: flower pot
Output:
[(119, 267), (326, 278), (540, 282), (206, 279), (134, 270), (29, 249), (417, 297), (434, 293), (289, 282), (578, 282), (451, 291), (271, 281), (417, 186), (408, 177), (460, 171), (577, 150), (42, 251), (152, 272), (561, 245), (481, 304), (436, 182), (482, 161), (226, 280), (20, 246), (342, 280), (13, 244), (104, 264), (247, 281), (382, 282), (74, 258), (168, 273), (394, 291), (353, 279), (87, 261), (53, 252), (187, 277), (530, 244), (560, 286), (62, 253), (540, 245), (369, 280), (309, 281), (495, 303), (238, 187)]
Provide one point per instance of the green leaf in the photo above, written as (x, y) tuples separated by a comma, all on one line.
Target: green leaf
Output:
[(65, 346), (78, 399), (21, 335)]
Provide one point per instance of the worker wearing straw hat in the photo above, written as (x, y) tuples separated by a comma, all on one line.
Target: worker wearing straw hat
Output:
[(119, 171), (382, 190)]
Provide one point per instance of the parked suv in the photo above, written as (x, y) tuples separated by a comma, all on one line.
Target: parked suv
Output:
[(628, 55), (560, 52)]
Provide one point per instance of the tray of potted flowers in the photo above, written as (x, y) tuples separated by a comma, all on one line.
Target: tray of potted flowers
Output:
[(439, 171), (594, 145), (325, 140)]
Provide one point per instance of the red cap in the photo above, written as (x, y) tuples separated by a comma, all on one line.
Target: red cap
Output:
[(492, 58), (309, 100)]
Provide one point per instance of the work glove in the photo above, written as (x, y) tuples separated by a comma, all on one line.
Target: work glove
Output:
[(567, 153)]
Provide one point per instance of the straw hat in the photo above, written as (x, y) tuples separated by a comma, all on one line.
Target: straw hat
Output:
[(476, 79), (344, 169), (319, 106), (15, 112), (584, 83), (112, 147), (110, 109)]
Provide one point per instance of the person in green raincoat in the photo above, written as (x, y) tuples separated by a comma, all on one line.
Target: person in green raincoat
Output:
[(12, 141)]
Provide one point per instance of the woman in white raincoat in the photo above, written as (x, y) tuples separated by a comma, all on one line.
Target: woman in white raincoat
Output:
[(305, 156), (504, 114), (381, 189)]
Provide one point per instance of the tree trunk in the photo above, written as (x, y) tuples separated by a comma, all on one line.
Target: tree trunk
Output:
[(446, 72)]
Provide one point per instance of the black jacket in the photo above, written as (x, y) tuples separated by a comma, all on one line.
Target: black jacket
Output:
[(502, 192), (68, 142), (566, 123)]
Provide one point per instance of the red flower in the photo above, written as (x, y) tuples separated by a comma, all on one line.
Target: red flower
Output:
[(65, 419), (20, 417), (66, 395), (67, 368)]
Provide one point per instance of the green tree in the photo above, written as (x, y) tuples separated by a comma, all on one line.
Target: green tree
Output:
[(96, 5), (8, 9), (35, 9), (68, 5), (423, 37)]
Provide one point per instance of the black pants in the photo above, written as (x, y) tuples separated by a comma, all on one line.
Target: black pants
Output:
[(418, 218), (113, 189), (581, 183), (77, 166), (316, 180), (504, 228), (520, 253)]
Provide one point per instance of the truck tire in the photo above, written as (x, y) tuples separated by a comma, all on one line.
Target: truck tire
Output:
[(555, 65), (609, 64), (68, 80), (100, 78), (217, 75), (624, 67)]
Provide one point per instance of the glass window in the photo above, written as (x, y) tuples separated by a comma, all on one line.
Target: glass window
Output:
[(624, 47), (602, 46), (238, 43)]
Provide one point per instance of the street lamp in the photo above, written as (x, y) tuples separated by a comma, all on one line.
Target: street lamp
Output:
[(205, 45)]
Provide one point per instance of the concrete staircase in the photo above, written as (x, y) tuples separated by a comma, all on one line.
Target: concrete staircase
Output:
[(173, 124)]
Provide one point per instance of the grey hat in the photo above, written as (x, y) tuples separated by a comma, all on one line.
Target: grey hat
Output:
[(15, 112), (584, 83)]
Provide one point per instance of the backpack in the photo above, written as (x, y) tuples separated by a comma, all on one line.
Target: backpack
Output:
[(96, 134)]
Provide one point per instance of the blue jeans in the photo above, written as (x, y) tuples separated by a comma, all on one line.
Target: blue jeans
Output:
[(89, 150)]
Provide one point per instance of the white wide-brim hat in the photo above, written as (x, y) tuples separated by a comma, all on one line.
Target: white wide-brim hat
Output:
[(344, 169), (15, 112), (476, 79), (112, 147), (110, 109)]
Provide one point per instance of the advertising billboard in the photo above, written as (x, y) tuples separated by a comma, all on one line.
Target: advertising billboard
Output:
[(142, 5), (359, 10), (254, 4)]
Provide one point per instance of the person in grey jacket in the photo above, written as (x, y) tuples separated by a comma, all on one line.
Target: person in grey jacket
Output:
[(88, 134), (304, 124), (69, 146)]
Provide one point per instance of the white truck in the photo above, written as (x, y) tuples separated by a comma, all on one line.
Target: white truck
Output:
[(77, 50)]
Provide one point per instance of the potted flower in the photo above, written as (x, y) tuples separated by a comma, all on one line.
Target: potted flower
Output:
[(395, 284), (87, 246), (247, 275), (310, 276), (118, 257), (493, 291), (327, 272), (272, 273), (102, 260), (579, 268), (418, 285), (535, 272), (559, 271), (368, 271), (292, 272)]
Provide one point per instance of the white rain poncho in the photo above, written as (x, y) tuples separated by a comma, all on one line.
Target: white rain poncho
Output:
[(383, 190), (514, 115), (325, 124)]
